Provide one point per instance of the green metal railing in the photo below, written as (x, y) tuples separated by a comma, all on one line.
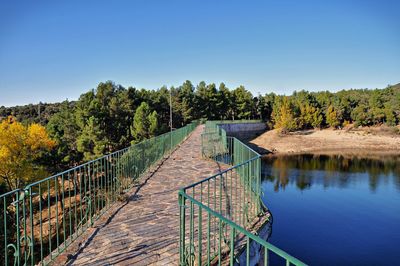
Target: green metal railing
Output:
[(217, 213), (41, 220)]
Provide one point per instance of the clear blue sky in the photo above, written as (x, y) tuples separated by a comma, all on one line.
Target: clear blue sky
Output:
[(50, 51)]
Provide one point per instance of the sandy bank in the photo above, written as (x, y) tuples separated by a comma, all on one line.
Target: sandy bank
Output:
[(350, 141)]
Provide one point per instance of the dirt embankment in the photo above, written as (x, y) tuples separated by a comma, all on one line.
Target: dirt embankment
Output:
[(380, 140)]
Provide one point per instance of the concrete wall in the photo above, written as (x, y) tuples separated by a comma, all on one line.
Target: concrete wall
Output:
[(244, 131), (256, 250)]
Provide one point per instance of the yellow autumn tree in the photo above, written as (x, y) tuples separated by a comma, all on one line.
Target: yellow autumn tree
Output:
[(20, 147), (283, 115), (332, 117)]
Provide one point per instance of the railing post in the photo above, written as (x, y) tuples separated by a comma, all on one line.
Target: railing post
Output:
[(17, 254), (31, 225), (181, 201), (258, 173), (90, 196), (232, 247), (200, 236), (24, 226)]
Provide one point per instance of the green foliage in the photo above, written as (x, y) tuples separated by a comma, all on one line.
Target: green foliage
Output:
[(145, 123), (32, 113), (317, 109), (103, 117), (153, 124), (187, 99), (283, 114), (90, 142), (361, 116), (110, 116), (390, 116), (141, 124), (243, 103), (309, 116), (332, 117), (224, 103), (62, 128)]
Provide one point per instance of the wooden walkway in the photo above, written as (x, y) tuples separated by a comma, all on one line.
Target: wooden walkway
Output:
[(145, 229)]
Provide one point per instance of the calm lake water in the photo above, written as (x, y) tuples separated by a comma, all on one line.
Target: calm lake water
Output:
[(335, 210)]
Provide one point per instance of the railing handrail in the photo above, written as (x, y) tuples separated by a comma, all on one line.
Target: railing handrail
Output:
[(220, 173), (258, 239), (258, 155), (11, 192), (94, 160)]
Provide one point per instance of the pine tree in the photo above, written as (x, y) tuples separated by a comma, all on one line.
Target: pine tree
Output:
[(141, 125)]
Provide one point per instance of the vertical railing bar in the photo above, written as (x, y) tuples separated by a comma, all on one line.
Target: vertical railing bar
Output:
[(201, 192), (107, 181), (96, 187), (18, 225), (247, 250), (219, 241), (232, 246), (192, 226), (63, 208), (5, 231), (31, 225), (200, 236), (191, 248), (237, 215), (182, 228), (40, 222), (57, 233), (24, 226), (232, 210), (92, 200), (208, 238), (102, 184), (74, 180), (86, 198), (208, 193), (49, 215), (81, 196), (69, 207), (265, 256), (215, 220)]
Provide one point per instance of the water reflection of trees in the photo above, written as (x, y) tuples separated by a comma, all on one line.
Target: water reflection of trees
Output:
[(329, 171)]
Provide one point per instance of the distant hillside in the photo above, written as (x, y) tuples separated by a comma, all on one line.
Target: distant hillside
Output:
[(33, 113)]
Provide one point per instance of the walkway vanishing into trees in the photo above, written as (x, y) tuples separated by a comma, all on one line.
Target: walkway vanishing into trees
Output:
[(144, 229)]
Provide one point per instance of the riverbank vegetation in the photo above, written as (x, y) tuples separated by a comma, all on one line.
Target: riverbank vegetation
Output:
[(305, 110), (112, 117)]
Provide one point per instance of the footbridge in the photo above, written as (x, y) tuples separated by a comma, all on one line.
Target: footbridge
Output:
[(188, 197)]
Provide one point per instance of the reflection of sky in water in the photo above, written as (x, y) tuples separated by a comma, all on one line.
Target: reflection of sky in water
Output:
[(335, 211)]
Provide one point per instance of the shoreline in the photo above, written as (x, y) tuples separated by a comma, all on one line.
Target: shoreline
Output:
[(360, 142), (361, 154)]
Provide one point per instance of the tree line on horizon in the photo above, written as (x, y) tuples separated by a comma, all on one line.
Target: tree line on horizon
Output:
[(112, 117)]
